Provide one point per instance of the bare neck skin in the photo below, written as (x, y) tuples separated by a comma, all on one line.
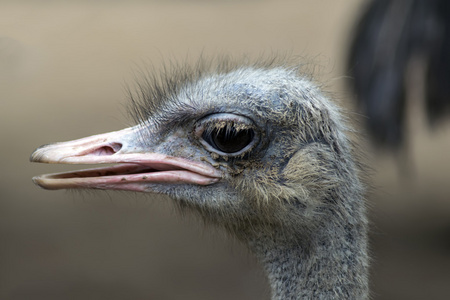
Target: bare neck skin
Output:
[(328, 263)]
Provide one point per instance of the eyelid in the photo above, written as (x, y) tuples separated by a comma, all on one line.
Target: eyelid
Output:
[(226, 117), (217, 121)]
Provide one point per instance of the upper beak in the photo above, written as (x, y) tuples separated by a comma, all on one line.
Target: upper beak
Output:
[(134, 168)]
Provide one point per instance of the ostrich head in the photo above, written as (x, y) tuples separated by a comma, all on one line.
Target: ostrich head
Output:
[(257, 150)]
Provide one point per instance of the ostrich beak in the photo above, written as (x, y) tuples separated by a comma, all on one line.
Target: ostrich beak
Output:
[(134, 168)]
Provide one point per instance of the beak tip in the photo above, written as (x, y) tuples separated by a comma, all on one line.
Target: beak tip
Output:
[(33, 157), (40, 182), (45, 154), (36, 156), (36, 180)]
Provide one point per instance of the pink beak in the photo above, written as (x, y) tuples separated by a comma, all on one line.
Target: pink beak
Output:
[(135, 170)]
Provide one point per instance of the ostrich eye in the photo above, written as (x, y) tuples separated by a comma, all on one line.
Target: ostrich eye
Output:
[(228, 139), (227, 134)]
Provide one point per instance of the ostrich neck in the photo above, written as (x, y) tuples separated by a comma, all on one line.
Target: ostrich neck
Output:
[(330, 263)]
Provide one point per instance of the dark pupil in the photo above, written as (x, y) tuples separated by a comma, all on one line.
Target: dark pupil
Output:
[(229, 140)]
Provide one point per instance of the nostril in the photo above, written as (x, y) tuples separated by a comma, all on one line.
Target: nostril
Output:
[(109, 149), (116, 147)]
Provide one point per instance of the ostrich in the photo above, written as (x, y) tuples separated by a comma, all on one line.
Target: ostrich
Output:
[(255, 149)]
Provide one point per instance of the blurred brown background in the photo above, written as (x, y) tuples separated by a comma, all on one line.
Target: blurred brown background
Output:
[(63, 68)]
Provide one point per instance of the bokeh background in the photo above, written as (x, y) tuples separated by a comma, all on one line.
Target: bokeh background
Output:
[(63, 69)]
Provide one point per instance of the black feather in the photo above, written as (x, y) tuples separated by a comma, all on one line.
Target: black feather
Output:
[(389, 36)]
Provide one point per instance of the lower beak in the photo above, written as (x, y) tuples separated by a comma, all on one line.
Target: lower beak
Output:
[(133, 170)]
